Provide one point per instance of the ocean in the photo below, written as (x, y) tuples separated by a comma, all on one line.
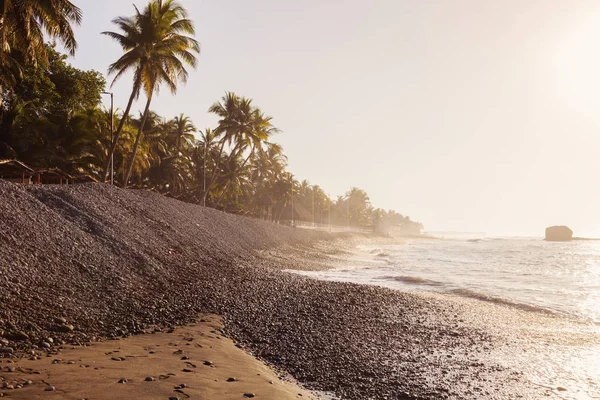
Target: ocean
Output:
[(529, 273), (552, 288)]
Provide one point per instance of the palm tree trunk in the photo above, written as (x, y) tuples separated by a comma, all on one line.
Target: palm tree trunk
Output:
[(113, 146), (215, 171), (137, 142), (231, 180)]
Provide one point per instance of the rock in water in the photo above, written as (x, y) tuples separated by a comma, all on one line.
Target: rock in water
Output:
[(559, 234)]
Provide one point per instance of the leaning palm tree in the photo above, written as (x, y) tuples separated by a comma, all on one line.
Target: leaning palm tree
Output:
[(156, 48), (23, 24)]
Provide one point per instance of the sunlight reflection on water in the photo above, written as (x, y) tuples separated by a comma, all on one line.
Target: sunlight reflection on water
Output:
[(557, 351)]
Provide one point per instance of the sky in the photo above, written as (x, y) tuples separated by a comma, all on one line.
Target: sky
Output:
[(467, 115)]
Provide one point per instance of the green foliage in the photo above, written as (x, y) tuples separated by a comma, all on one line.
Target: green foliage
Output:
[(23, 25), (37, 113)]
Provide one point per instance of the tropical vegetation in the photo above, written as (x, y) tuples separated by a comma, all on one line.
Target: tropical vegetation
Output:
[(51, 116)]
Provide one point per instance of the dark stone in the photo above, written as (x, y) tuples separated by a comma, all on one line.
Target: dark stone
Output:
[(17, 336)]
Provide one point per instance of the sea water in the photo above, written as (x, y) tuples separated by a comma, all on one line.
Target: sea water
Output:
[(530, 273), (535, 277)]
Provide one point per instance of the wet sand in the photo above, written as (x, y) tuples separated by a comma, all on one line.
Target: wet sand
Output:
[(172, 359)]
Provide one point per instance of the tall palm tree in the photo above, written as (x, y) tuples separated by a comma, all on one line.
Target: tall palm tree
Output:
[(242, 125), (234, 112), (156, 48), (267, 165), (166, 54), (258, 130), (183, 131), (23, 24)]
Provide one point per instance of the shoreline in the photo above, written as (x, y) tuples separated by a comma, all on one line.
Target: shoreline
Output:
[(100, 262)]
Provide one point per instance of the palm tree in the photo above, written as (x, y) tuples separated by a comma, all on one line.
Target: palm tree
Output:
[(23, 24), (258, 130), (203, 155), (156, 47), (183, 131), (241, 124), (267, 165), (233, 111)]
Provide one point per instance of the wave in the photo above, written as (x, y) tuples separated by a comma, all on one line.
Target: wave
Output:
[(499, 300), (413, 280), (379, 253)]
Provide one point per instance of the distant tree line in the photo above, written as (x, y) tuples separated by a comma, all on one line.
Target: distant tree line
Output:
[(51, 116)]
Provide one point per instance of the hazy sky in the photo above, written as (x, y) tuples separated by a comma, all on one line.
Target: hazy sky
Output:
[(474, 115)]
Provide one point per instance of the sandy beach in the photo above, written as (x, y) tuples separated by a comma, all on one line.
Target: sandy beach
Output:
[(194, 361)]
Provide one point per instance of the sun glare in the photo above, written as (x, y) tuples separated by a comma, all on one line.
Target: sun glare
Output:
[(578, 61)]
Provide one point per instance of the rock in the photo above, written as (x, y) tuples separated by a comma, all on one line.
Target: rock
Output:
[(150, 379), (561, 389), (50, 389), (231, 379), (181, 386), (123, 380), (6, 350), (17, 336), (209, 363), (559, 234), (45, 345), (65, 328), (249, 395)]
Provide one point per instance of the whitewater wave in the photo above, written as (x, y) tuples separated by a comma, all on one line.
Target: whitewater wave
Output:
[(413, 280), (499, 300)]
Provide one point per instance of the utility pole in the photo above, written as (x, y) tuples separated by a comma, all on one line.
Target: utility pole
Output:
[(292, 204), (329, 209), (348, 212), (313, 205), (112, 131), (204, 173)]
